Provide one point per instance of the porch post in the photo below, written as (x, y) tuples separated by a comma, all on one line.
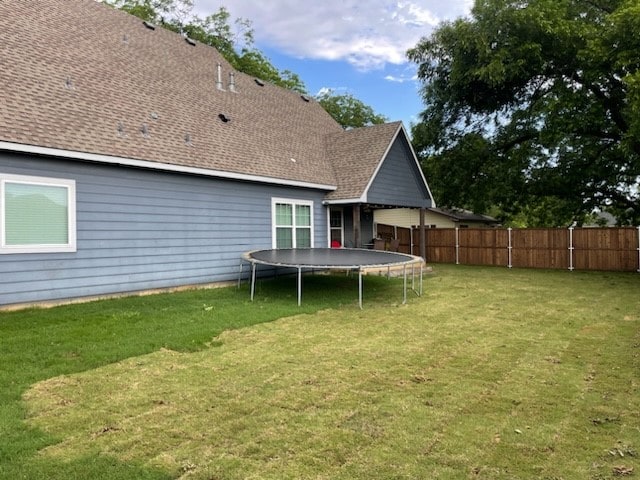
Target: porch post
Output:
[(423, 235), (356, 226)]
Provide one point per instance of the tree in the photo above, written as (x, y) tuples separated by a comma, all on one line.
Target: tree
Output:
[(348, 111), (235, 45), (533, 108)]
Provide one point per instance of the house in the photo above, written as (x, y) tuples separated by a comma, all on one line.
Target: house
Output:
[(434, 218), (132, 158)]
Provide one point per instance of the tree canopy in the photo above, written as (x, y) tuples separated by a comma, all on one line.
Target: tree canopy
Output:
[(235, 44), (533, 110), (348, 111)]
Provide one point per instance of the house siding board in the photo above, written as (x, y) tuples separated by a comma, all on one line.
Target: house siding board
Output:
[(140, 229), (410, 217), (399, 168)]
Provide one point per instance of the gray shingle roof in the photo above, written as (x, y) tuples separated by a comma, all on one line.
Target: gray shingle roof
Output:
[(77, 75), (356, 154)]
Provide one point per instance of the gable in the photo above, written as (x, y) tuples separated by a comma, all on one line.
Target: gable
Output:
[(399, 181)]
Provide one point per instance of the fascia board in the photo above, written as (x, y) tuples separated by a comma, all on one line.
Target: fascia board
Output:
[(165, 167)]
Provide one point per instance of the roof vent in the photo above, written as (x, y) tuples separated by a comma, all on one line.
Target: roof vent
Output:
[(149, 25), (232, 82), (154, 116), (125, 38), (219, 78), (259, 82), (144, 129), (224, 118), (190, 41), (121, 130), (305, 98), (68, 84), (187, 140)]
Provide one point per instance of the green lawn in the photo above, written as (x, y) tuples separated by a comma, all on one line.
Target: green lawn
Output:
[(492, 373)]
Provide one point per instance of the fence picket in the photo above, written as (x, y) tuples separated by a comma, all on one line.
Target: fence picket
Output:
[(610, 248)]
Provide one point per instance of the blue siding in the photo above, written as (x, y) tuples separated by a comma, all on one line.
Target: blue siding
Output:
[(140, 229), (398, 182)]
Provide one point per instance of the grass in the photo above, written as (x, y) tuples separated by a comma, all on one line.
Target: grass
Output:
[(492, 373)]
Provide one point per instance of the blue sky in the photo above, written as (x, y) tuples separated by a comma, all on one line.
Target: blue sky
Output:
[(348, 46)]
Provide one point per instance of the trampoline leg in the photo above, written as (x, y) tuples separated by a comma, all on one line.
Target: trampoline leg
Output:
[(253, 280), (360, 288), (299, 286), (413, 277), (404, 271), (418, 292)]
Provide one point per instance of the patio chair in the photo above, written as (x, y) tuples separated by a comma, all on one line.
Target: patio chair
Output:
[(378, 244)]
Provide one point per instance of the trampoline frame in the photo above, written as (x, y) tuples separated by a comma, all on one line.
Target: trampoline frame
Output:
[(410, 260)]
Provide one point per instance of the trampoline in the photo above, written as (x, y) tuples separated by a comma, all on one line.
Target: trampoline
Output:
[(351, 259)]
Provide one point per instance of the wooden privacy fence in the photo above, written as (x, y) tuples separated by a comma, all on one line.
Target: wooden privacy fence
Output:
[(613, 249)]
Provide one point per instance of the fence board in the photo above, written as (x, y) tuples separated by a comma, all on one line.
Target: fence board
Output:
[(613, 249), (606, 249), (441, 244), (540, 248)]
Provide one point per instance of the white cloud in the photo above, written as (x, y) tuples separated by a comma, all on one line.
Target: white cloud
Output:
[(368, 35), (393, 78)]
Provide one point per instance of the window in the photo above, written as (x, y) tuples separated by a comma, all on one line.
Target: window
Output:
[(37, 215), (292, 223)]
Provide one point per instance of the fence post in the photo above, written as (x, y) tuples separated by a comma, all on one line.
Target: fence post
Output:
[(571, 248), (510, 248), (457, 246), (638, 250)]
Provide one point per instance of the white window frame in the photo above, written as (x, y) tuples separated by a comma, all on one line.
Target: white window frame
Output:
[(70, 185), (293, 203)]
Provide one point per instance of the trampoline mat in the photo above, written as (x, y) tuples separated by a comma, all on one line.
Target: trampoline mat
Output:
[(328, 257)]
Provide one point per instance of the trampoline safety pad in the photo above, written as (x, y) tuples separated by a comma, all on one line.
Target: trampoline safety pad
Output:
[(355, 259)]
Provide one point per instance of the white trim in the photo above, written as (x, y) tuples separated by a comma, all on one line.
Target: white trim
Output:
[(346, 201), (130, 162), (70, 185), (415, 159), (293, 202)]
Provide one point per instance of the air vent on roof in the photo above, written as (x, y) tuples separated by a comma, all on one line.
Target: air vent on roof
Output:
[(224, 118), (187, 140), (219, 77), (144, 129), (149, 25), (68, 83), (259, 82), (305, 98), (190, 41), (125, 38), (232, 82), (121, 130), (154, 116)]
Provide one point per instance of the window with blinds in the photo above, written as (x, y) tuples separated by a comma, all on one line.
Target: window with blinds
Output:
[(37, 215)]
